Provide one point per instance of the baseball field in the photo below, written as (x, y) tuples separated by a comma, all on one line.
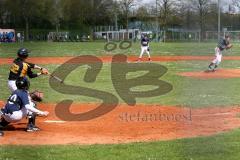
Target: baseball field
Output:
[(196, 117)]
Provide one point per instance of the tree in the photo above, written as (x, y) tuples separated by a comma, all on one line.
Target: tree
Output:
[(25, 10), (126, 6), (54, 12), (2, 11), (203, 8), (236, 3), (103, 11), (113, 11), (84, 15), (142, 13), (165, 11)]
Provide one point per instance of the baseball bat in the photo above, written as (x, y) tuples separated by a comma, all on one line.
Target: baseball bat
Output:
[(57, 78)]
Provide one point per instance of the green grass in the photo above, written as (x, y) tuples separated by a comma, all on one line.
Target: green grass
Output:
[(220, 147), (97, 48), (186, 91)]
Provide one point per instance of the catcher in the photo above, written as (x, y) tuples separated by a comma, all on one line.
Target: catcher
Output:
[(223, 44), (19, 105), (21, 68)]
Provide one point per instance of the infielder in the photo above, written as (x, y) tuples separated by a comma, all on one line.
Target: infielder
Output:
[(19, 106), (21, 68), (145, 47), (223, 44)]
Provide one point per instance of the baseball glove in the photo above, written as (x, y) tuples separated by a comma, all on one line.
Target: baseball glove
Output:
[(36, 96), (229, 46), (44, 71)]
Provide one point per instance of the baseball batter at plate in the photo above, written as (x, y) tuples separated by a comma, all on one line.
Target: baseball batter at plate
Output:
[(21, 68), (19, 105), (145, 47), (223, 44)]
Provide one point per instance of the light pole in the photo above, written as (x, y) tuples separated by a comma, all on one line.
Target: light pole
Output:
[(219, 19), (157, 25)]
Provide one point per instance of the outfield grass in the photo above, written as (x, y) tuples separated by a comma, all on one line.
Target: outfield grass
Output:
[(220, 147), (97, 48)]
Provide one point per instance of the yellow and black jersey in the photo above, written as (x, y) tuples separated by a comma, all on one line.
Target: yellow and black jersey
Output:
[(21, 69)]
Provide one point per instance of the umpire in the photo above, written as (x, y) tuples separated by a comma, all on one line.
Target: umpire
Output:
[(21, 68)]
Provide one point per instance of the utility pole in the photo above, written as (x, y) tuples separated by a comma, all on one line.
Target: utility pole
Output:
[(116, 22), (219, 19), (116, 15), (94, 20), (157, 21)]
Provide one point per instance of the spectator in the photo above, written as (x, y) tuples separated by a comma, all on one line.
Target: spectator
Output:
[(18, 37), (1, 37), (10, 36)]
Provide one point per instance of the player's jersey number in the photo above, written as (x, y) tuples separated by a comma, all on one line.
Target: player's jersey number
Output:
[(12, 99), (14, 68)]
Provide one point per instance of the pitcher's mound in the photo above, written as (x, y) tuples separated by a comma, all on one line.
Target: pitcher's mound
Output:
[(220, 73)]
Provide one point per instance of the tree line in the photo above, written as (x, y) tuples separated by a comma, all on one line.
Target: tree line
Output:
[(84, 15)]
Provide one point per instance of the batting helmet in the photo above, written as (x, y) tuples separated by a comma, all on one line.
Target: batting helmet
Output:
[(22, 83), (22, 53)]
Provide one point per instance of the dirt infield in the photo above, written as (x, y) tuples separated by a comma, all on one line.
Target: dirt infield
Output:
[(60, 60), (126, 124), (221, 73)]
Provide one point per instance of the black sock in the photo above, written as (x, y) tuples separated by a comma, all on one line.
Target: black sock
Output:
[(31, 120), (210, 66), (3, 123)]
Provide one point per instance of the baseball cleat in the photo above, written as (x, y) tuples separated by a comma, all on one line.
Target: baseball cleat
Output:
[(32, 128), (1, 133)]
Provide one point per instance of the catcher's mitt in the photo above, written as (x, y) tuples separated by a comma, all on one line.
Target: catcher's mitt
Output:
[(36, 96), (229, 46), (44, 71)]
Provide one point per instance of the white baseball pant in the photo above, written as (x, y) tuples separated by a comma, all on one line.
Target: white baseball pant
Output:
[(143, 50), (18, 115), (12, 86), (218, 56)]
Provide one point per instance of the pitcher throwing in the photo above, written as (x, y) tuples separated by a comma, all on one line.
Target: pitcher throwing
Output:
[(223, 44)]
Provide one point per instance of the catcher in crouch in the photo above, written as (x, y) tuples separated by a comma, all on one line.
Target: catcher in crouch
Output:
[(21, 68), (223, 44), (19, 105)]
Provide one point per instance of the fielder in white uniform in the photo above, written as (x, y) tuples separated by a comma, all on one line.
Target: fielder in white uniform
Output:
[(145, 48), (223, 44)]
